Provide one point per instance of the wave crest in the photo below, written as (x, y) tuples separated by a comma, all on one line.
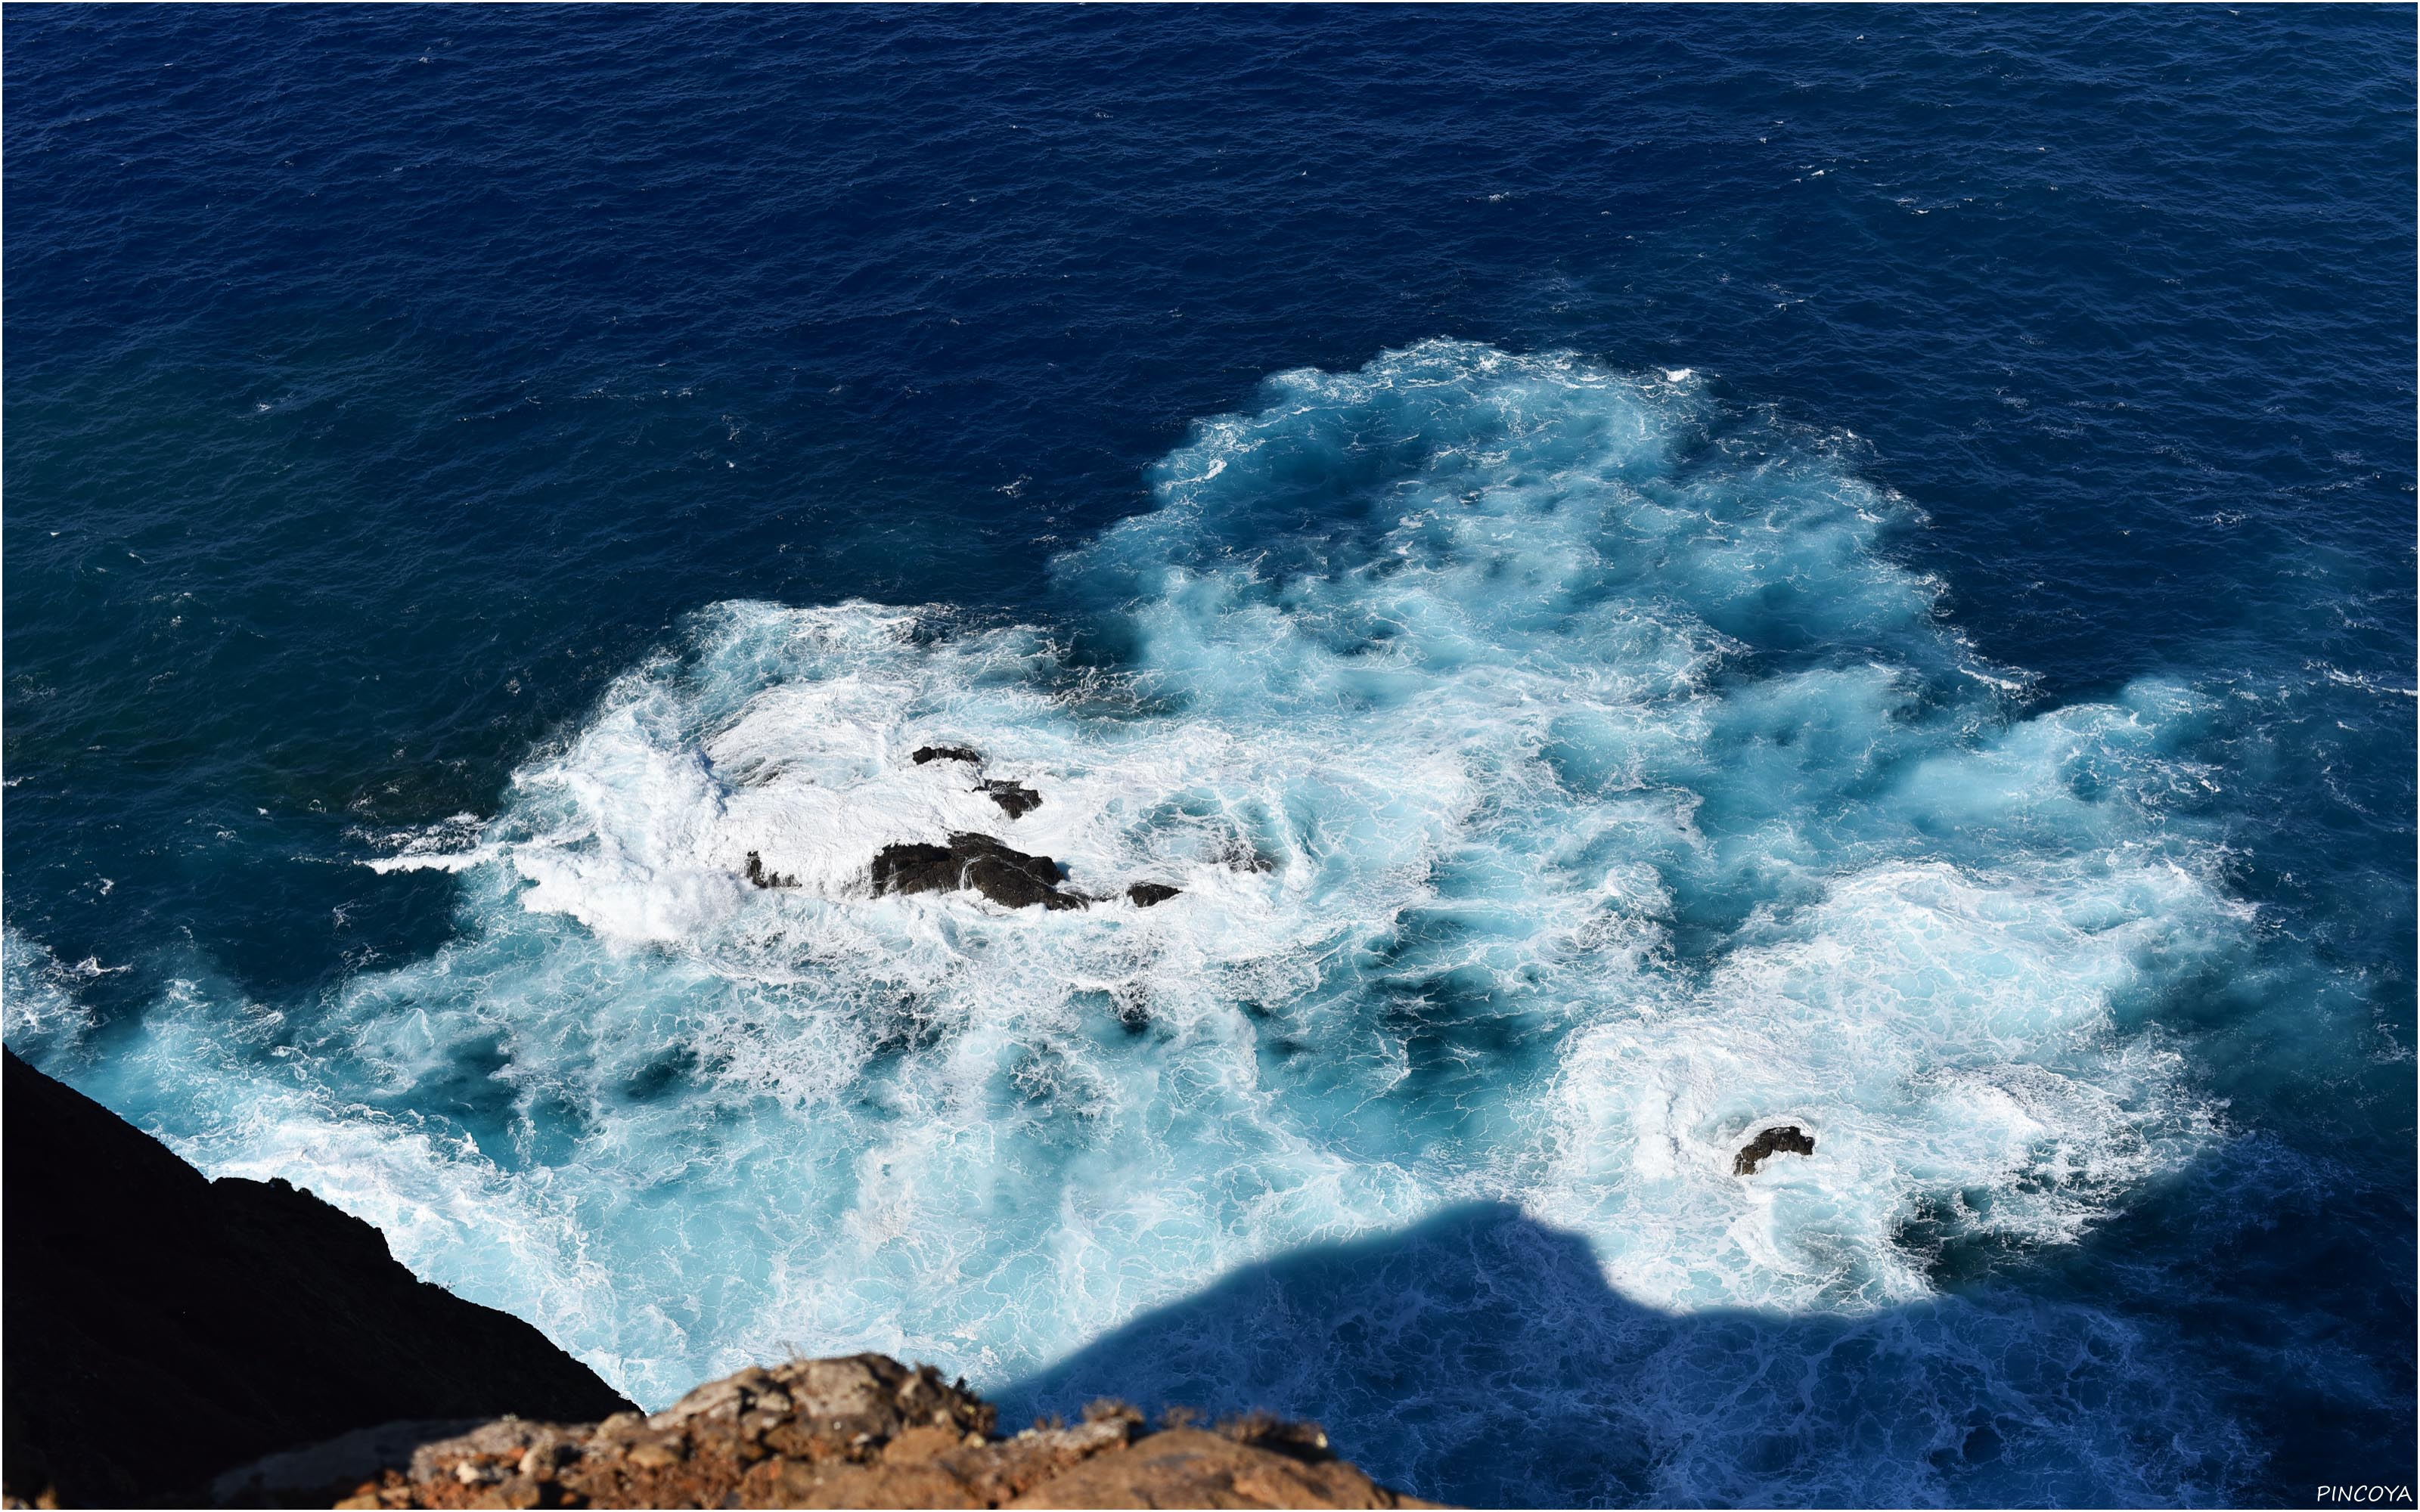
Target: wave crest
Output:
[(1563, 778)]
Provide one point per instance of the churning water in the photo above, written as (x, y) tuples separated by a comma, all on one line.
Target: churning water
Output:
[(1571, 767)]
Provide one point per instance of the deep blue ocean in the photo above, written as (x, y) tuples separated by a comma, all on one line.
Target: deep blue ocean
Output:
[(1650, 574)]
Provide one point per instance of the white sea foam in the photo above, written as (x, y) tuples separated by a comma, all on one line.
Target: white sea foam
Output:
[(1564, 782), (38, 1002)]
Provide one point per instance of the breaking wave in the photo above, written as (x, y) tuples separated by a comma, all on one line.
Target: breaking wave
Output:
[(1565, 781)]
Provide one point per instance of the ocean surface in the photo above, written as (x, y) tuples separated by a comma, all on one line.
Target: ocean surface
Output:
[(1650, 574)]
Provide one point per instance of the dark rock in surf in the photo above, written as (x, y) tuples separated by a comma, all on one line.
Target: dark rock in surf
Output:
[(1146, 894), (1015, 799), (977, 863), (1789, 1139), (757, 874)]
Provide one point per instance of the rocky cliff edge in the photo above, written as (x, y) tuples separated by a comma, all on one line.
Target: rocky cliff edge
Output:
[(865, 1431)]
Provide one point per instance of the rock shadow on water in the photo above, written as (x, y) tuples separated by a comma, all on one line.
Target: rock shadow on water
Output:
[(1479, 1358)]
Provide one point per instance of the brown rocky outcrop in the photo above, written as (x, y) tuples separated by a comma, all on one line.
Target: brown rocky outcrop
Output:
[(161, 1327), (865, 1431)]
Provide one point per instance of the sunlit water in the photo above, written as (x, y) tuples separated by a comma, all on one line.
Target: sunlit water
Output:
[(1572, 768)]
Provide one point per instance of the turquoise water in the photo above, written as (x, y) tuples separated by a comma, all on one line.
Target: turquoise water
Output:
[(1645, 586)]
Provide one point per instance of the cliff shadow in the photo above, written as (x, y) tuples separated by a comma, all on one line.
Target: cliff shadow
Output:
[(1479, 1358)]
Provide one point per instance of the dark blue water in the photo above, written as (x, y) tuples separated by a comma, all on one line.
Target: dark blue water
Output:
[(1852, 566)]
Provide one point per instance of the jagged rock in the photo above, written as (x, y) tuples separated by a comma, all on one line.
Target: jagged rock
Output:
[(976, 862), (757, 874), (161, 1327), (1146, 894), (1015, 799), (868, 1431), (1788, 1140), (1187, 1467), (846, 1400)]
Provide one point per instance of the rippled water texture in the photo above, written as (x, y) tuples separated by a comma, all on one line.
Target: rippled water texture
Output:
[(1650, 577)]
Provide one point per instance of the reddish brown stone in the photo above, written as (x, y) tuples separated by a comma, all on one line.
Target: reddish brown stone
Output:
[(865, 1431)]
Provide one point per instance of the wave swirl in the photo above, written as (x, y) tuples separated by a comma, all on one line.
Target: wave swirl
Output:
[(1564, 778)]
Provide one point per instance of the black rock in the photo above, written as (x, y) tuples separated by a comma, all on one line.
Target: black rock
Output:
[(1144, 894), (1789, 1139), (163, 1327), (946, 753), (976, 862), (1014, 798), (757, 874)]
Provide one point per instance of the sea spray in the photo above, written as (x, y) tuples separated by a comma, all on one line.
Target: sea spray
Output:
[(1564, 776)]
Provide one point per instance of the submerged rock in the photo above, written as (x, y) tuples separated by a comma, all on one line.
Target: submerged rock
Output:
[(757, 874), (865, 1430), (1146, 894), (1788, 1140), (974, 863), (1014, 798), (1243, 856)]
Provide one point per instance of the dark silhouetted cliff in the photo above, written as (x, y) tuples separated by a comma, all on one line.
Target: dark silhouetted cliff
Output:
[(161, 1327)]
